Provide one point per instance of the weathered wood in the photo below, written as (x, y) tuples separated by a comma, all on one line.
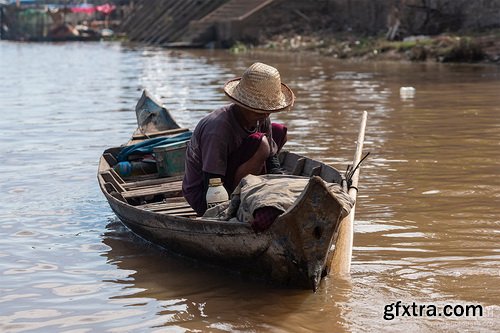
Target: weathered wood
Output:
[(164, 206), (174, 206), (282, 156), (170, 202), (315, 171), (110, 159), (151, 182), (340, 262), (331, 176), (295, 250), (116, 176), (180, 211), (108, 178), (172, 189), (150, 135), (299, 166), (112, 190)]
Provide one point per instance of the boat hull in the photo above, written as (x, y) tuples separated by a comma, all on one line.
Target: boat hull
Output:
[(292, 252)]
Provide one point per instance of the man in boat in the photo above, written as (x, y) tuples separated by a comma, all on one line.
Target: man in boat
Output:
[(238, 139)]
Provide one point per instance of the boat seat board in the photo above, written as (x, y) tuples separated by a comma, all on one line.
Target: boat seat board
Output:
[(168, 187), (173, 206), (116, 176), (150, 182), (108, 177), (171, 189), (170, 203), (111, 189)]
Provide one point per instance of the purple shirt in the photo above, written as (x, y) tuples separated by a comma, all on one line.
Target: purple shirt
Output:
[(216, 137)]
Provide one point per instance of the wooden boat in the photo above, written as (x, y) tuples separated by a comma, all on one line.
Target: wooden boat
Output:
[(297, 250)]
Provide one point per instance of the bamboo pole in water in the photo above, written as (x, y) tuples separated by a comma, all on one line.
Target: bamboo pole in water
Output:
[(341, 260)]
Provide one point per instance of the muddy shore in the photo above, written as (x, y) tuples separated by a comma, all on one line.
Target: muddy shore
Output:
[(464, 48)]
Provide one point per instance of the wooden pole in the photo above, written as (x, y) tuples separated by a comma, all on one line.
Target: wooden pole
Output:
[(342, 256)]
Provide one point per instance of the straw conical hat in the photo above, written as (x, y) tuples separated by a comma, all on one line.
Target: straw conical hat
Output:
[(260, 90)]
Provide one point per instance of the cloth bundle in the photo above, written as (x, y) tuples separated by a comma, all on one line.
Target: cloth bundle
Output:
[(259, 200)]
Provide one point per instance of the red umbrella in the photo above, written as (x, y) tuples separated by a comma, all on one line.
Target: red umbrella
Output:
[(106, 8), (83, 8)]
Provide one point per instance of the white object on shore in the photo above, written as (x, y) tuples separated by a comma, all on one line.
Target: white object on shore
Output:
[(407, 92)]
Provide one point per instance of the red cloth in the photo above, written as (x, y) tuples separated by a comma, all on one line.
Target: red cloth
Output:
[(264, 217), (248, 148)]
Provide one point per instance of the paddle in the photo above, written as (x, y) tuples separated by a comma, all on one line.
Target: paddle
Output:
[(341, 260)]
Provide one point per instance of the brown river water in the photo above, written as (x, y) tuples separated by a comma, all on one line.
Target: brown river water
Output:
[(427, 227)]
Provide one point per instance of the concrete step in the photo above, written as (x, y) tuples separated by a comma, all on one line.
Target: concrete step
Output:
[(233, 10), (236, 10)]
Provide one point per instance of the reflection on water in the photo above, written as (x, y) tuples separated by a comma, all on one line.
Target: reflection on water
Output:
[(197, 297), (427, 225)]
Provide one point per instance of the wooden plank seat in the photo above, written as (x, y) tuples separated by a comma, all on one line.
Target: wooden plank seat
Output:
[(150, 182), (168, 189), (174, 206)]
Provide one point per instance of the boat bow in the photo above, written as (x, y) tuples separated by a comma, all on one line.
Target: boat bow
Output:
[(303, 236)]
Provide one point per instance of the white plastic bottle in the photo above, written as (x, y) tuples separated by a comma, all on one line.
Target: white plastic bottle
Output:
[(216, 193)]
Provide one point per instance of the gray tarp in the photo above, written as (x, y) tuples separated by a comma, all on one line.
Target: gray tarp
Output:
[(278, 191)]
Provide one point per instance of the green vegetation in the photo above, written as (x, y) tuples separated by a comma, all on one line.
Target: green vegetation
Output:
[(238, 47), (441, 48)]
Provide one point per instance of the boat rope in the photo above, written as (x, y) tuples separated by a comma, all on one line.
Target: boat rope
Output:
[(350, 172), (354, 187)]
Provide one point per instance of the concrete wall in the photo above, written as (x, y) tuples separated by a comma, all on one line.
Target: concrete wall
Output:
[(372, 17), (153, 23)]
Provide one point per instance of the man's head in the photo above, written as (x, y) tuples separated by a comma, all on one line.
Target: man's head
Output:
[(260, 90)]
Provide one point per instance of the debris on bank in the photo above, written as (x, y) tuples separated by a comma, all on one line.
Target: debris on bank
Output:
[(441, 48)]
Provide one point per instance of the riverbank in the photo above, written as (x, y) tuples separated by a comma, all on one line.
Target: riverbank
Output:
[(467, 48), (457, 32)]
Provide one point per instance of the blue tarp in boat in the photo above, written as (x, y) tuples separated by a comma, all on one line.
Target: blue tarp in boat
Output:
[(146, 146)]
